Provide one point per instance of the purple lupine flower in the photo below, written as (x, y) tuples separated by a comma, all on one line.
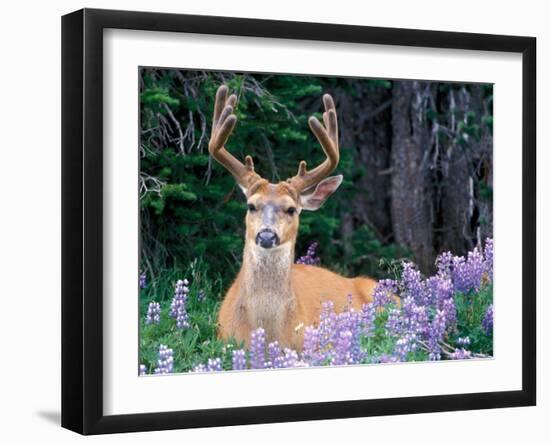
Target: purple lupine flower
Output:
[(327, 326), (436, 332), (238, 360), (476, 264), (343, 319), (142, 369), (385, 358), (467, 273), (442, 291), (165, 362), (343, 325), (352, 321), (449, 310), (357, 331), (463, 342), (310, 348), (337, 340), (461, 354), (404, 345), (459, 274), (310, 258), (444, 264), (289, 359), (488, 258), (414, 325), (342, 348), (178, 307), (487, 322), (394, 323), (440, 288), (274, 354), (214, 365), (200, 368), (142, 280), (415, 317), (201, 296), (153, 313), (368, 315), (257, 349), (413, 284), (384, 292)]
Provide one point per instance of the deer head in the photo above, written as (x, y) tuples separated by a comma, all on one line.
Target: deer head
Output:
[(274, 209)]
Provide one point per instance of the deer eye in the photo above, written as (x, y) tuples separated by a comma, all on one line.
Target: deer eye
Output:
[(251, 207), (291, 210)]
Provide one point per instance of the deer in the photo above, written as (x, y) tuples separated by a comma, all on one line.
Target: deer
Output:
[(270, 290)]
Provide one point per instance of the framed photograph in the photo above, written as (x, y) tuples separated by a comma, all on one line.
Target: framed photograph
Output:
[(270, 221)]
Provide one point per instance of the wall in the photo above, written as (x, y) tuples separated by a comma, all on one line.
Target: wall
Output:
[(30, 234)]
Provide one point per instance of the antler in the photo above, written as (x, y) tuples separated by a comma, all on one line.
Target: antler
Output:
[(328, 137), (222, 125)]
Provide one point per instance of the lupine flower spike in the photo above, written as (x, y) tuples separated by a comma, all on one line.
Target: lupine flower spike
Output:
[(178, 308), (310, 258), (142, 280), (165, 362), (153, 313)]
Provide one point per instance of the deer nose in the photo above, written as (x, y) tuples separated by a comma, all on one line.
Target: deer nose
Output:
[(266, 238)]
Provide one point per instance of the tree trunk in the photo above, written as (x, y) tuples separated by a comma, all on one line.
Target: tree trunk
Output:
[(466, 217), (411, 203)]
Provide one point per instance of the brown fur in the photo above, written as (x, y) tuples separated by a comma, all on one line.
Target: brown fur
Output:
[(295, 307), (272, 292)]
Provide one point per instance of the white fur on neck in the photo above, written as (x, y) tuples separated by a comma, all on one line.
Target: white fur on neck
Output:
[(268, 286)]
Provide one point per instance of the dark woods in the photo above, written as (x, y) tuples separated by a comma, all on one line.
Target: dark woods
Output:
[(441, 163), (416, 158)]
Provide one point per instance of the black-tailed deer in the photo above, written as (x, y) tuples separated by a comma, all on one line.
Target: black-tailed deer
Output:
[(271, 291)]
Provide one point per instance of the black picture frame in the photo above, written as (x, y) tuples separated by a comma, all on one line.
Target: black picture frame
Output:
[(82, 218)]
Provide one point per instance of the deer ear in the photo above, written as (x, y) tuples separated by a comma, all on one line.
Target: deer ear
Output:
[(313, 200)]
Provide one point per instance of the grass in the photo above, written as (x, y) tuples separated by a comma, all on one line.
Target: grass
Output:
[(199, 342), (471, 309)]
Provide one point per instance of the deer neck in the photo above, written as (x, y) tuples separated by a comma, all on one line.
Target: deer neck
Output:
[(268, 296)]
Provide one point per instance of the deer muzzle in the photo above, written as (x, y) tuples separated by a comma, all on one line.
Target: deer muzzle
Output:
[(266, 238)]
